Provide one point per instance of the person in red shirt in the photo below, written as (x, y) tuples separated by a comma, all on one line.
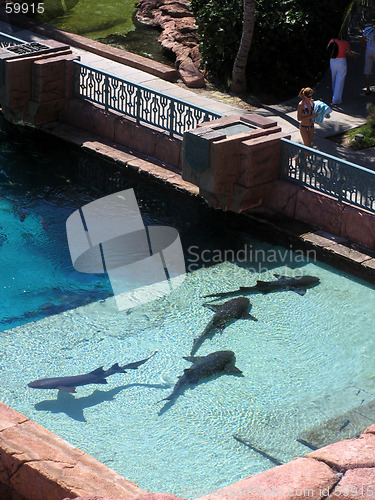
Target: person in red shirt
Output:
[(339, 68)]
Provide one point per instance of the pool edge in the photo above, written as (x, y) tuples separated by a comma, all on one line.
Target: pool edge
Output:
[(38, 465)]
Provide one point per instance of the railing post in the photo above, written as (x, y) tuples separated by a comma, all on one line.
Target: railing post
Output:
[(171, 118), (106, 91), (138, 112)]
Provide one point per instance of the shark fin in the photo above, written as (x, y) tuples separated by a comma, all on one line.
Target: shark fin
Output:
[(247, 315), (66, 389), (233, 370), (281, 276), (213, 307), (300, 291), (98, 372), (101, 381), (117, 368), (191, 358)]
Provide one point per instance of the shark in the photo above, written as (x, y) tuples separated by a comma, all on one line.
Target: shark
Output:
[(298, 284), (232, 309), (219, 362), (98, 376)]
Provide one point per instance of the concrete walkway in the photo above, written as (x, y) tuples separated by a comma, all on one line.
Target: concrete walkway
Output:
[(352, 113)]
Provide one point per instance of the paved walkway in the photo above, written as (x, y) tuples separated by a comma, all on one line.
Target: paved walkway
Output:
[(352, 113)]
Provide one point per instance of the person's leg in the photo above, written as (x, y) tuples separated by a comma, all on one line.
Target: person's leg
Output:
[(341, 69), (368, 70), (307, 135), (367, 83), (333, 67)]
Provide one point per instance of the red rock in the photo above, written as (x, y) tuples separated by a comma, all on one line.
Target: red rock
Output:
[(370, 430), (355, 484), (147, 496), (300, 478), (282, 198), (349, 454), (318, 210), (190, 75), (179, 35)]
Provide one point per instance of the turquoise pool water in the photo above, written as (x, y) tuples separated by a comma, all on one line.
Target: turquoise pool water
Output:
[(303, 361)]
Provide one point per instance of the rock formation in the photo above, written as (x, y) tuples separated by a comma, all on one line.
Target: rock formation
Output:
[(179, 34)]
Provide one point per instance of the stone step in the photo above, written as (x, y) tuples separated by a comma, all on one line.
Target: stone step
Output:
[(347, 425)]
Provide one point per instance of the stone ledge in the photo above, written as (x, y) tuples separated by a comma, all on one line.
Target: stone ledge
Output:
[(349, 454), (284, 482)]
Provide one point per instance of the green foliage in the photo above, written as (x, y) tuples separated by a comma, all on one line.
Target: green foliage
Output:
[(220, 28), (367, 130), (288, 49)]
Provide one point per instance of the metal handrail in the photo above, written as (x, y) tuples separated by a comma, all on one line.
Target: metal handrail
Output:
[(10, 40), (328, 174), (142, 103)]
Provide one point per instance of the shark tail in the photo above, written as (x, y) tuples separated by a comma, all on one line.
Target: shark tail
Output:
[(171, 397), (196, 343)]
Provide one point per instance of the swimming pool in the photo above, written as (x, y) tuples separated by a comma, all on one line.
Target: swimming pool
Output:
[(303, 361)]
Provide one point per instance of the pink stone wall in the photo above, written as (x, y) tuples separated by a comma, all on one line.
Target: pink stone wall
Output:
[(124, 131), (325, 212)]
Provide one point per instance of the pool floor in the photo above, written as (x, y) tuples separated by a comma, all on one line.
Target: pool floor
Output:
[(307, 359)]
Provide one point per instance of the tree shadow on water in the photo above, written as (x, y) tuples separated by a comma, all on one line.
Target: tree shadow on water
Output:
[(73, 407)]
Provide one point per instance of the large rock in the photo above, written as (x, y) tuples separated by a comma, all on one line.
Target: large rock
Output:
[(179, 35)]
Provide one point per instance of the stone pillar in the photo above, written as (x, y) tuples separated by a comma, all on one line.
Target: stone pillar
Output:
[(35, 86), (233, 160)]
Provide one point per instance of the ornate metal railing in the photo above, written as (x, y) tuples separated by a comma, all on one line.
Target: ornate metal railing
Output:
[(141, 103), (328, 174), (8, 40)]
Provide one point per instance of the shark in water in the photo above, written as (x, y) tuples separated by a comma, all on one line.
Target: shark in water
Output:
[(98, 376), (220, 362), (298, 284), (224, 313)]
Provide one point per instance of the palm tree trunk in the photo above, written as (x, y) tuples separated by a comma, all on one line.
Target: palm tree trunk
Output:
[(239, 67)]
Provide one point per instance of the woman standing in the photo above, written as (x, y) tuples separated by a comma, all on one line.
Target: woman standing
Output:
[(339, 68), (305, 115)]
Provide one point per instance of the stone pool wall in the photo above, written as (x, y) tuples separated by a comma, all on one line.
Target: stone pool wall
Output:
[(35, 464)]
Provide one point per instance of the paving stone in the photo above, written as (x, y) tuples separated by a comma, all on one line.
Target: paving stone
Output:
[(319, 240), (349, 253)]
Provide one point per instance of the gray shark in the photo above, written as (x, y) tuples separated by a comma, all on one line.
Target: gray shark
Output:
[(233, 309), (98, 376), (204, 366), (299, 284)]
